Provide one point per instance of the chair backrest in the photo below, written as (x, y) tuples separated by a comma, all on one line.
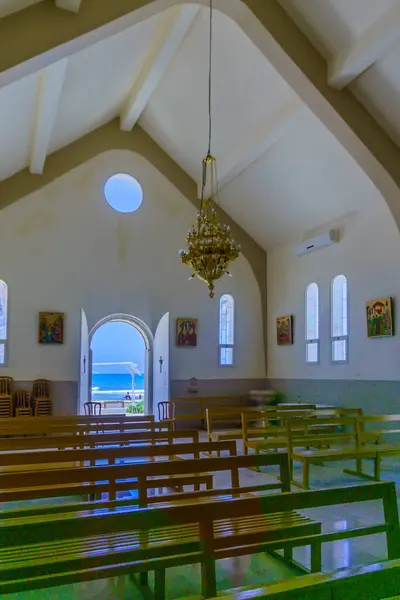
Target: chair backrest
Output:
[(6, 408), (21, 399), (6, 385), (166, 410), (92, 408), (41, 388)]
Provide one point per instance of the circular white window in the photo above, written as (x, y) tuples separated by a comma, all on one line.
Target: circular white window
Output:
[(123, 193)]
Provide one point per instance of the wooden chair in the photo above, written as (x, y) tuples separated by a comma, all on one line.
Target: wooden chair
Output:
[(21, 405), (6, 407), (92, 408), (6, 387), (166, 412), (42, 407), (41, 397)]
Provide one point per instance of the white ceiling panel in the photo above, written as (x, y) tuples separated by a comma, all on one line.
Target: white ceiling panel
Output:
[(246, 92), (333, 25), (17, 110), (305, 180), (9, 6), (379, 90), (98, 80)]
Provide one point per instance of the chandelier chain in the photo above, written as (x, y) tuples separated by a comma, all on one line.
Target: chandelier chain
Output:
[(210, 245), (210, 78)]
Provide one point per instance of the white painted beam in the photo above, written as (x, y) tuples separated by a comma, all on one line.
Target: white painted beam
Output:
[(372, 45), (51, 81), (164, 45), (256, 145), (71, 5)]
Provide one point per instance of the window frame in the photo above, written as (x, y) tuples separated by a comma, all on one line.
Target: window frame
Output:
[(231, 346), (4, 341), (309, 341), (338, 338)]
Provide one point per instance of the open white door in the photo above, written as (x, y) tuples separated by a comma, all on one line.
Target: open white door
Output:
[(161, 364), (84, 368)]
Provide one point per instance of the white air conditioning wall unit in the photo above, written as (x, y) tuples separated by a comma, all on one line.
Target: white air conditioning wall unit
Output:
[(316, 243)]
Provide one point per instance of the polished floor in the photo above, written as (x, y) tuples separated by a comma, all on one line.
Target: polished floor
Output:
[(259, 569)]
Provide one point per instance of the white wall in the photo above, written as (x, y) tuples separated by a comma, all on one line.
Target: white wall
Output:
[(369, 256), (63, 248)]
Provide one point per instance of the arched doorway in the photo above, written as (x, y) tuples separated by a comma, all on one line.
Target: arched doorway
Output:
[(120, 371)]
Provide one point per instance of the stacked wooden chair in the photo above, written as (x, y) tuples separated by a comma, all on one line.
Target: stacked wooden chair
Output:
[(41, 401), (6, 397), (21, 404)]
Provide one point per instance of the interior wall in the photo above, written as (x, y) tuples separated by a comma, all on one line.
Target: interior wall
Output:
[(368, 255), (63, 248)]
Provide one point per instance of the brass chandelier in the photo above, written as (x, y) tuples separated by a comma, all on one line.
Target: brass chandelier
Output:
[(210, 246)]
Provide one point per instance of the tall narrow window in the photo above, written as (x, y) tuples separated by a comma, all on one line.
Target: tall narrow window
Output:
[(226, 330), (312, 323), (3, 322), (339, 319)]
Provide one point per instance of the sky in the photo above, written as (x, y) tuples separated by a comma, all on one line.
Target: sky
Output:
[(117, 341)]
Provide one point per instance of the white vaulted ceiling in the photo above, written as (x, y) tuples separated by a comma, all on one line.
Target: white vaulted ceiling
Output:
[(282, 172)]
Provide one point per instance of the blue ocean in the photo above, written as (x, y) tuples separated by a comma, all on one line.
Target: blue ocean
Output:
[(114, 386)]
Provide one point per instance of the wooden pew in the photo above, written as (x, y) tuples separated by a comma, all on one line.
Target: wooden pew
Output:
[(242, 416), (199, 404), (233, 415), (17, 461), (160, 475), (26, 421), (349, 447), (21, 483), (383, 449), (93, 440), (98, 544), (379, 581), (37, 427)]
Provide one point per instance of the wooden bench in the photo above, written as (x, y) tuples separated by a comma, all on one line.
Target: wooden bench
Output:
[(20, 482), (323, 426), (198, 414), (349, 447), (162, 476), (99, 544), (37, 427), (93, 440), (262, 423), (379, 581), (75, 419), (383, 449)]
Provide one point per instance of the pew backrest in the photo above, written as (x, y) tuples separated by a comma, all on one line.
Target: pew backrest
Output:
[(141, 476), (93, 440)]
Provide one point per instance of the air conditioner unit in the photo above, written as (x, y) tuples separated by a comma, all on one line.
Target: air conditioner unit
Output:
[(316, 243)]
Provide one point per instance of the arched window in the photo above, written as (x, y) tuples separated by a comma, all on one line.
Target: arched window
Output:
[(3, 322), (226, 330), (312, 323), (339, 319)]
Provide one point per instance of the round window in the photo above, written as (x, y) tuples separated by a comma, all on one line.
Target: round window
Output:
[(123, 193)]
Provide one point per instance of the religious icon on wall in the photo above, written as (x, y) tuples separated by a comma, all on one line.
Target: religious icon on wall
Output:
[(51, 328), (284, 330), (379, 317), (186, 333)]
